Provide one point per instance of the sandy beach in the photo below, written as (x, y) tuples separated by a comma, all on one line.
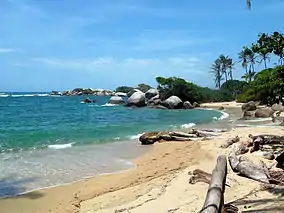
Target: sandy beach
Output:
[(159, 183)]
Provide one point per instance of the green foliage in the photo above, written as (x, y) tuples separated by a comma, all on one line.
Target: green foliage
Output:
[(187, 91), (143, 87), (124, 89), (267, 87)]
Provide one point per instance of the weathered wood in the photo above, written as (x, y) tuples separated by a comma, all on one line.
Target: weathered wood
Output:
[(215, 195), (183, 134), (248, 169), (199, 176)]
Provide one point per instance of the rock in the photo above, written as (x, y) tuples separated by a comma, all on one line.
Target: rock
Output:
[(154, 101), (195, 104), (248, 114), (66, 92), (250, 106), (55, 93), (240, 149), (149, 138), (278, 107), (158, 106), (136, 99), (269, 156), (120, 94), (133, 91), (173, 102), (87, 100), (264, 112), (221, 108), (187, 105), (151, 93), (116, 100)]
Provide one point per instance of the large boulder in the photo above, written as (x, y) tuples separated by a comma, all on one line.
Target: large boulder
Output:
[(121, 94), (136, 99), (55, 93), (278, 107), (150, 137), (187, 105), (265, 112), (248, 114), (154, 101), (116, 100), (151, 93), (250, 106), (133, 91), (87, 100), (66, 92), (173, 102)]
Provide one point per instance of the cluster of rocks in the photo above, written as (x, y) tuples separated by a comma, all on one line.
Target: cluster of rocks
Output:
[(82, 91), (151, 98), (252, 110)]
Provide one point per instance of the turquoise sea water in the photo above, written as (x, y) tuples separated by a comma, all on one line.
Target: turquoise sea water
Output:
[(46, 141)]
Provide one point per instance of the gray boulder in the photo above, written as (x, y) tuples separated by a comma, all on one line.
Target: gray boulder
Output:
[(133, 91), (278, 107), (121, 94), (136, 99), (173, 102), (195, 104), (154, 101), (116, 100), (265, 112), (151, 93), (250, 106), (248, 114), (187, 105)]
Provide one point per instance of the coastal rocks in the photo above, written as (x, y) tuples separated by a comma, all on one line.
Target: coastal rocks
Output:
[(55, 93), (248, 114), (137, 99), (87, 100), (151, 93), (264, 112), (221, 108), (278, 107), (149, 138), (195, 104), (250, 106), (116, 100), (67, 93), (120, 94), (173, 102), (187, 105), (129, 94)]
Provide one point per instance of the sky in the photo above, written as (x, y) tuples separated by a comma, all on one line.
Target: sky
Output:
[(62, 44)]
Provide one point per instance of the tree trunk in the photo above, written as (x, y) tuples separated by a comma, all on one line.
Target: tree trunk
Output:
[(215, 195), (265, 65)]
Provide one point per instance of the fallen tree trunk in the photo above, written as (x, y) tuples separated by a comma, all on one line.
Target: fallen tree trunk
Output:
[(248, 169), (183, 134), (215, 195)]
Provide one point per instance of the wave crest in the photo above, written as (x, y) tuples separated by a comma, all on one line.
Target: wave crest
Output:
[(60, 146), (189, 125)]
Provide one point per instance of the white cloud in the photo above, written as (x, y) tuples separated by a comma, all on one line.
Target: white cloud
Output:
[(6, 50)]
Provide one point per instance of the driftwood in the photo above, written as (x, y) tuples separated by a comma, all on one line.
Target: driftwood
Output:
[(199, 176), (152, 137), (230, 142), (248, 169), (215, 195)]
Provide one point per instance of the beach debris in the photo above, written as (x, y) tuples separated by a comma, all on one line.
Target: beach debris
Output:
[(193, 134), (230, 142), (214, 201), (248, 169), (198, 175)]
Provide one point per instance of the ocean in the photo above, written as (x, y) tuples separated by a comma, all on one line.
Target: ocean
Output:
[(53, 140)]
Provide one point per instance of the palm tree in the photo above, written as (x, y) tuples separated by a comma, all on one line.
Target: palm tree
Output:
[(230, 66), (264, 57), (251, 59), (243, 59), (224, 65), (217, 72), (249, 76)]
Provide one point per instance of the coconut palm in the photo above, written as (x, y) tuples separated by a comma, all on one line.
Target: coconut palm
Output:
[(249, 76), (251, 59), (224, 65), (243, 59), (264, 57), (217, 72), (230, 66)]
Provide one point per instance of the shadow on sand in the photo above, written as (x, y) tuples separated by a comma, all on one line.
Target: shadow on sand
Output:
[(11, 187)]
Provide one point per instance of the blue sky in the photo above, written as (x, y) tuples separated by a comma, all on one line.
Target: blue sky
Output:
[(61, 44)]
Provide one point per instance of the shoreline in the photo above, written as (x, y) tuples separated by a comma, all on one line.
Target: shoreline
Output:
[(161, 160)]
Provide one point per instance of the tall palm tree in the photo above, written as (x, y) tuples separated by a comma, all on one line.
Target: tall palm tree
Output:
[(264, 57), (217, 72), (251, 59), (224, 65), (249, 76), (230, 66), (243, 60)]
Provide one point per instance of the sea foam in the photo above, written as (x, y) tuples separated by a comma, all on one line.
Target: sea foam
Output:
[(109, 105), (189, 125), (133, 137), (60, 146)]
